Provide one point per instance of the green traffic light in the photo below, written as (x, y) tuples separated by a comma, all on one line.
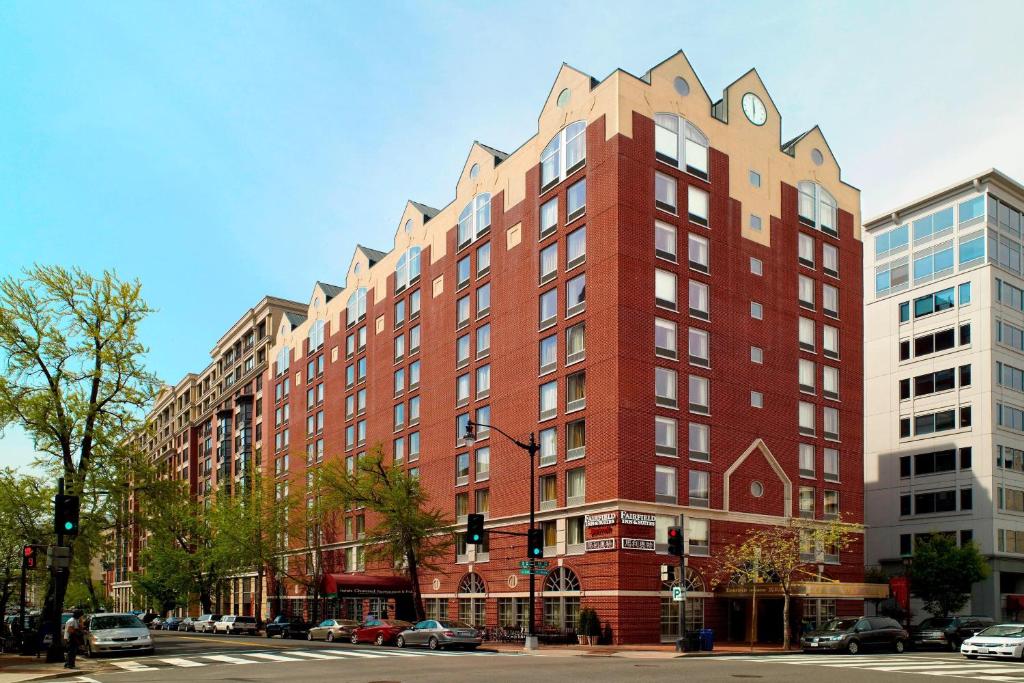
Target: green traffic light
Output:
[(69, 526)]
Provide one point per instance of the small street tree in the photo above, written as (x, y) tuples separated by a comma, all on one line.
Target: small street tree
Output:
[(24, 511), (781, 555), (942, 573), (408, 533)]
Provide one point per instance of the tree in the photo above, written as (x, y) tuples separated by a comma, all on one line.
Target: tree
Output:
[(782, 555), (24, 507), (407, 533), (72, 373), (942, 573)]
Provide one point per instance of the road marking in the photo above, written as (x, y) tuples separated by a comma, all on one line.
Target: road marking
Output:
[(226, 659), (358, 653), (131, 665), (976, 669), (178, 661), (311, 655), (271, 658)]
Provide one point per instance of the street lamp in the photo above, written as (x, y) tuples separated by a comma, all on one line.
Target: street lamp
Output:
[(531, 447)]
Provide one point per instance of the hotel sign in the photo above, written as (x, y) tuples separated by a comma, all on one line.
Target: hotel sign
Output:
[(600, 544), (637, 518), (638, 544), (602, 519)]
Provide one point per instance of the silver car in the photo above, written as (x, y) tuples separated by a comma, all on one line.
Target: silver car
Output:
[(439, 634), (116, 633), (233, 624), (204, 623), (332, 629)]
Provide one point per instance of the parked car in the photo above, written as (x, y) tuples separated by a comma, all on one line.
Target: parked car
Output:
[(441, 633), (999, 640), (332, 629), (187, 624), (233, 625), (204, 623), (853, 634), (287, 627), (156, 622), (170, 624), (947, 632), (116, 633), (379, 631)]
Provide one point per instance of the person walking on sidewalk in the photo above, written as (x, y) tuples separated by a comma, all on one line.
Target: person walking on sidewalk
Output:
[(72, 637)]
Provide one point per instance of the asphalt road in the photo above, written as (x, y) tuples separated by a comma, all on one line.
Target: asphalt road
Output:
[(244, 659)]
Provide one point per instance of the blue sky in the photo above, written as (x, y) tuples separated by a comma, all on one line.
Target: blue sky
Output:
[(223, 151)]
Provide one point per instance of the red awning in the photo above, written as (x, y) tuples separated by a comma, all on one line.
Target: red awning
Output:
[(354, 585)]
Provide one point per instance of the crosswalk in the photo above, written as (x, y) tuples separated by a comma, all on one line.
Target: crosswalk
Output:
[(1007, 671), (156, 662)]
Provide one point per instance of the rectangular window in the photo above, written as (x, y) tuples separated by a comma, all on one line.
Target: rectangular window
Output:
[(805, 249), (576, 201), (414, 380), (399, 313), (830, 381), (665, 241), (806, 418), (548, 354), (462, 351), (699, 253), (830, 300), (665, 388), (807, 502), (548, 453), (697, 205), (806, 373), (666, 490), (665, 436), (699, 397), (575, 344), (699, 300), (755, 222), (698, 537), (548, 217), (461, 506), (548, 308), (548, 491), (548, 263), (483, 260), (698, 348), (830, 259), (575, 440), (576, 248), (576, 392), (700, 488), (462, 272), (757, 355), (831, 504), (806, 291), (755, 178), (830, 341), (482, 464), (756, 310), (665, 194), (461, 469), (483, 341), (399, 347), (756, 266), (576, 295), (700, 442), (483, 300), (548, 400), (483, 381), (806, 334), (462, 390), (414, 305), (831, 421), (462, 312), (756, 399), (807, 467), (575, 486), (665, 291), (482, 504)]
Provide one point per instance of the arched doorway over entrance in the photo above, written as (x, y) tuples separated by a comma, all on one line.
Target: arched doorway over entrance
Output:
[(473, 600), (561, 599), (696, 593)]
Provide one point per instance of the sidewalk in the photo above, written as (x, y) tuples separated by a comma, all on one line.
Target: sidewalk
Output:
[(16, 668), (639, 651)]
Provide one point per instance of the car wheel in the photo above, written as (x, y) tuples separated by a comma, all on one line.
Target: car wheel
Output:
[(330, 636), (269, 635), (400, 641), (470, 648), (899, 646), (380, 639), (354, 639), (971, 656), (853, 647), (433, 644)]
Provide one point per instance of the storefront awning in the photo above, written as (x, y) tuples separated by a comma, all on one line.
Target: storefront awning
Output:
[(361, 585), (814, 589)]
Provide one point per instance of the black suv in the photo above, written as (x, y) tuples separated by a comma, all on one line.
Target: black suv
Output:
[(947, 632), (286, 627), (853, 634)]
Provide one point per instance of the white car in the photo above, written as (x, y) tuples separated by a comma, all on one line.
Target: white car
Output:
[(1000, 640), (116, 633), (232, 624), (204, 623)]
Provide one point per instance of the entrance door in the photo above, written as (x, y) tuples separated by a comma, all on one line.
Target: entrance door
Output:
[(669, 620), (769, 620), (739, 630)]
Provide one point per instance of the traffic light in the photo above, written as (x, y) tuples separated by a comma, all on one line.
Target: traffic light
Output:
[(31, 556), (475, 534), (65, 515), (675, 541), (535, 544)]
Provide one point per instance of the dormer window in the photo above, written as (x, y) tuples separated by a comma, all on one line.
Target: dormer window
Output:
[(356, 308), (316, 335), (564, 154), (679, 143), (817, 208), (407, 272), (283, 356), (475, 219)]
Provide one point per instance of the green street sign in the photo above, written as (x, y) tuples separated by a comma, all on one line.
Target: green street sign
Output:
[(533, 564), (536, 572)]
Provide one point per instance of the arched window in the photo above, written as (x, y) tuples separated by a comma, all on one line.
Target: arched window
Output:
[(356, 307), (472, 610), (316, 335), (681, 144), (283, 357), (475, 219), (816, 207), (670, 608), (566, 153), (407, 272), (561, 599)]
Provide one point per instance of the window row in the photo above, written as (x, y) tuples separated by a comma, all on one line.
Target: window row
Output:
[(575, 348), (935, 382), (355, 434), (464, 266), (807, 423), (463, 350), (934, 462), (481, 459), (414, 343), (355, 404), (575, 489), (575, 395), (355, 372), (356, 342), (935, 342), (575, 443), (1009, 417), (936, 501), (829, 338), (808, 462), (474, 220), (575, 301), (666, 439), (575, 207), (666, 391), (1008, 295), (666, 294), (666, 247), (806, 248), (936, 302), (933, 423), (829, 296), (400, 414), (666, 198), (464, 306), (681, 144), (807, 375), (463, 385), (807, 497), (1010, 458), (666, 486), (576, 253), (817, 208), (406, 447), (482, 505)]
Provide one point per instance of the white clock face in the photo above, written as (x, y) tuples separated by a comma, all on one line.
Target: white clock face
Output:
[(754, 109)]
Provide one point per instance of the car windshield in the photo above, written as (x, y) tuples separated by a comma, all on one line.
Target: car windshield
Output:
[(115, 621), (456, 624), (937, 622), (839, 625), (1004, 630)]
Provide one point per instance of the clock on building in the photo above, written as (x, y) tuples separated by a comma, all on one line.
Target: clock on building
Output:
[(754, 109)]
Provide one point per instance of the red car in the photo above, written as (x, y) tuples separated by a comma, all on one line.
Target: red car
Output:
[(379, 631)]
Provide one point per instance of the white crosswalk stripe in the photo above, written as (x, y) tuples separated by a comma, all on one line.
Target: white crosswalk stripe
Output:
[(131, 665), (982, 670), (178, 661), (271, 657), (320, 654)]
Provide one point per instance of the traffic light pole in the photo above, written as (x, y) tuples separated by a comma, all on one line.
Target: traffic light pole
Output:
[(55, 653), (682, 604), (21, 613)]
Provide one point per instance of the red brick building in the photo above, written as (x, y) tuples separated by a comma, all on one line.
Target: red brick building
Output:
[(547, 299)]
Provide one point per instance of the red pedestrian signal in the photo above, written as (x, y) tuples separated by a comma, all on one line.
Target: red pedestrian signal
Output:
[(32, 556)]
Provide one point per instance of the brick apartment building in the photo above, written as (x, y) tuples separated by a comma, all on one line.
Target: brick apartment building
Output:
[(205, 430), (546, 298)]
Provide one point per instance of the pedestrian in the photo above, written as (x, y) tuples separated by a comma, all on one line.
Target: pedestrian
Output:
[(72, 637)]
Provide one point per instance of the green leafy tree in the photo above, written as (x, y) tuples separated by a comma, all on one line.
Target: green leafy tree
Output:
[(942, 573), (408, 532), (24, 512), (782, 555)]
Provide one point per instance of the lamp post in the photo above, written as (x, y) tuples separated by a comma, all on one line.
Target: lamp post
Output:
[(532, 448)]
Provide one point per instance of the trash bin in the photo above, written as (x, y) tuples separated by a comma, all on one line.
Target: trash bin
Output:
[(707, 639), (692, 641)]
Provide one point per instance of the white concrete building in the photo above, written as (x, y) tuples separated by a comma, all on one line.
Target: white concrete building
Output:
[(944, 381)]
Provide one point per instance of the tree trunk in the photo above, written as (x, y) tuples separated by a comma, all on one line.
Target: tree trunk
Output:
[(204, 600), (414, 579), (785, 620), (93, 600), (258, 597)]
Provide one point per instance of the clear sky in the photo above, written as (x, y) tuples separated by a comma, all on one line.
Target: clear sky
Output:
[(220, 151)]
